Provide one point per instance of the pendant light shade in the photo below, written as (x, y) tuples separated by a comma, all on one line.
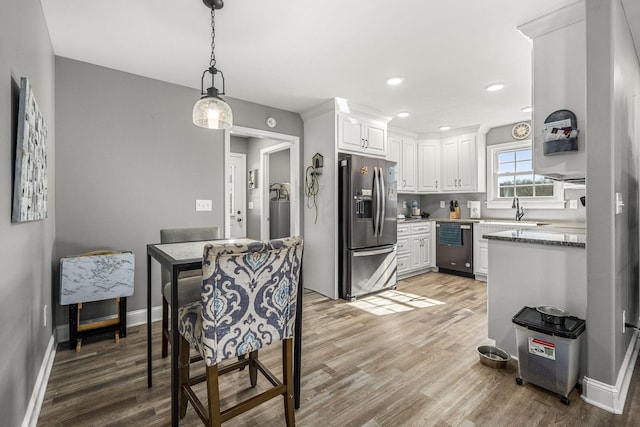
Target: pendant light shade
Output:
[(211, 111)]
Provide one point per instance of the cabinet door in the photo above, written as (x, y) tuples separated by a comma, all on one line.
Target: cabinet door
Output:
[(449, 167), (429, 166), (467, 163), (483, 259), (350, 134), (420, 251), (394, 154), (408, 165), (426, 251), (375, 138)]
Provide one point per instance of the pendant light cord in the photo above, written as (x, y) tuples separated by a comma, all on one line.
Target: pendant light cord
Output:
[(212, 63)]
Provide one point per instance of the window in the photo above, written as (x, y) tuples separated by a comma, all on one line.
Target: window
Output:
[(510, 173)]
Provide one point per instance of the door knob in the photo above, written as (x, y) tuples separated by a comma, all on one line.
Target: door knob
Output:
[(239, 220), (239, 212)]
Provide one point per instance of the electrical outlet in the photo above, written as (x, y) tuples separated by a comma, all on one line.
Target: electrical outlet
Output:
[(573, 204), (44, 316), (404, 204), (442, 204), (250, 205), (203, 205)]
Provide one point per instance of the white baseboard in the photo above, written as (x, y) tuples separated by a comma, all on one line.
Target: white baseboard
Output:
[(612, 397), (134, 318), (40, 387)]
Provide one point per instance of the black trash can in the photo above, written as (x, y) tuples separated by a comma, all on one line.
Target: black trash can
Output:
[(549, 344)]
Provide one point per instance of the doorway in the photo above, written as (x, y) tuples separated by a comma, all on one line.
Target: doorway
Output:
[(265, 153), (237, 177)]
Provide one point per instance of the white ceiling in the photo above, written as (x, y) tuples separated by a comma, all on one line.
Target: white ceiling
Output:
[(295, 54)]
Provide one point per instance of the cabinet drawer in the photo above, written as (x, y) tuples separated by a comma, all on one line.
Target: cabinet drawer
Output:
[(403, 230), (424, 227), (403, 245), (404, 263)]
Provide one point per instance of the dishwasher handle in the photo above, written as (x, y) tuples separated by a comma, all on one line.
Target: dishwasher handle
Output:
[(462, 227)]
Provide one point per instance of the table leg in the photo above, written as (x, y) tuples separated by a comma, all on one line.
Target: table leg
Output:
[(297, 344), (148, 320), (174, 347)]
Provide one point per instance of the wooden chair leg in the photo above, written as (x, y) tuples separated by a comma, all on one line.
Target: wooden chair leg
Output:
[(253, 369), (213, 396), (183, 363), (287, 374), (165, 327)]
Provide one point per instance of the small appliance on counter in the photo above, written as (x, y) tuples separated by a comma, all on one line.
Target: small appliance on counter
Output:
[(415, 210), (474, 209)]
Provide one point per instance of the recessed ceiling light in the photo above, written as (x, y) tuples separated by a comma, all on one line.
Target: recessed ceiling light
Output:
[(445, 128), (526, 109), (403, 114), (493, 87), (394, 81)]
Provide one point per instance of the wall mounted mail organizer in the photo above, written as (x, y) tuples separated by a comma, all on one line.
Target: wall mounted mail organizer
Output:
[(560, 133)]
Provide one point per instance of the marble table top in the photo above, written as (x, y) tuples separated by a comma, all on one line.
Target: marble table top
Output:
[(191, 250), (96, 277)]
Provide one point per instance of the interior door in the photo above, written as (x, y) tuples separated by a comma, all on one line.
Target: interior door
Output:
[(237, 175)]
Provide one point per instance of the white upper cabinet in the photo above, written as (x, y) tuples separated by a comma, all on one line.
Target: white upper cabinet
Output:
[(429, 166), (403, 150), (460, 164), (363, 136)]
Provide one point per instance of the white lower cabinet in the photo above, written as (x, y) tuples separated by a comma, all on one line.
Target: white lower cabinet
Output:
[(414, 248)]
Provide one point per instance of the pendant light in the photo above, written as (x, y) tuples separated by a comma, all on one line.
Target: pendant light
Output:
[(211, 111)]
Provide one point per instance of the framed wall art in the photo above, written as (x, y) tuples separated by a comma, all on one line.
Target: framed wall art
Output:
[(30, 183)]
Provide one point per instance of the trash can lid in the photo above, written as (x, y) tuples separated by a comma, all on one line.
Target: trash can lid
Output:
[(531, 318)]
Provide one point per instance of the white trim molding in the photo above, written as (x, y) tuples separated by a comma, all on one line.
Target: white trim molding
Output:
[(37, 396), (612, 397)]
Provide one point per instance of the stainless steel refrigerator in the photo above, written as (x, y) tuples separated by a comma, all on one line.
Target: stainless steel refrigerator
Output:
[(368, 225)]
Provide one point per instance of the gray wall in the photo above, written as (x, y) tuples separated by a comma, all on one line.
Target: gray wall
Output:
[(613, 135), (279, 165), (238, 144), (26, 249), (132, 163)]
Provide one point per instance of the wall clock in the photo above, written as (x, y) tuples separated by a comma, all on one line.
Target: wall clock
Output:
[(271, 122), (521, 130)]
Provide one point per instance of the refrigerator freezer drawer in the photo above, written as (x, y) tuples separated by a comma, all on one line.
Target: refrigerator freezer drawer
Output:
[(369, 270)]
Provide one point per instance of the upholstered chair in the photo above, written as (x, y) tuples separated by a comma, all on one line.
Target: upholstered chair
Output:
[(248, 301), (189, 282)]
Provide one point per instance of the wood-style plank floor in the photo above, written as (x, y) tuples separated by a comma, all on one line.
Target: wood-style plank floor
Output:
[(404, 358)]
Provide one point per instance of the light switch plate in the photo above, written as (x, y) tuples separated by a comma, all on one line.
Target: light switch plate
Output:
[(250, 205), (573, 204), (203, 205)]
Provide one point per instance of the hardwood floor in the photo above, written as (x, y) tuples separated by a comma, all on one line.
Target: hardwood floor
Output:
[(403, 358)]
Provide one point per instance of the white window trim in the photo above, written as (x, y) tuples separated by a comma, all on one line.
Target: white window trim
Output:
[(493, 202)]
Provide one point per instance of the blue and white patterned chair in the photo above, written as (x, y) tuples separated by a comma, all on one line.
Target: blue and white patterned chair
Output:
[(249, 295), (189, 282)]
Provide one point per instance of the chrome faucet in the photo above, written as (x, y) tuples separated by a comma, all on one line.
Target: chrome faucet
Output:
[(519, 209)]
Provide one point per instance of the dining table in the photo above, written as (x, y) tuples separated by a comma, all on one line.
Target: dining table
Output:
[(185, 256)]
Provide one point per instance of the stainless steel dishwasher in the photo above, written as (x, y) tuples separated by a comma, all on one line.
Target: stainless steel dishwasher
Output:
[(454, 248)]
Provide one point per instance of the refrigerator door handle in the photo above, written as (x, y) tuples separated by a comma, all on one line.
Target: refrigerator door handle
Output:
[(375, 252), (376, 190), (383, 197)]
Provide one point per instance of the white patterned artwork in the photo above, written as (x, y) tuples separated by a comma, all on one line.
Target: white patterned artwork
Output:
[(30, 184)]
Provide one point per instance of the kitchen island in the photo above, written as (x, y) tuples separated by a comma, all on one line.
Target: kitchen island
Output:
[(534, 267)]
